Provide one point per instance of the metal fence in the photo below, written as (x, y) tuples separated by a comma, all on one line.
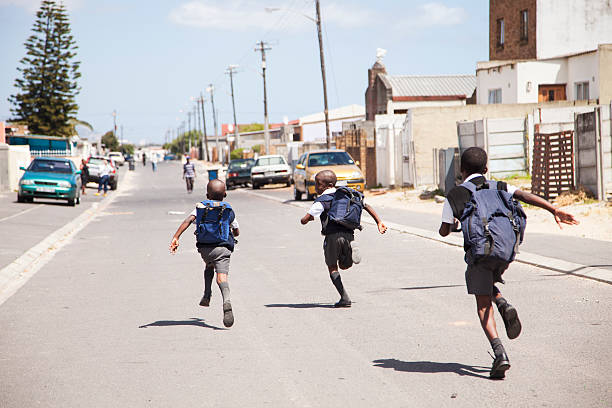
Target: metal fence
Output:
[(51, 153)]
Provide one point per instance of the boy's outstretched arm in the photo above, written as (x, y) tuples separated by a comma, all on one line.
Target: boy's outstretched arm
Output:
[(560, 215), (174, 244), (382, 228), (306, 219)]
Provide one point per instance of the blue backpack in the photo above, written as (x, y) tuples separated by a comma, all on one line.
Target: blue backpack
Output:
[(213, 219), (346, 207), (493, 223)]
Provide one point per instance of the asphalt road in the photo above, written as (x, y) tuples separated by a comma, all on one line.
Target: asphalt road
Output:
[(113, 320)]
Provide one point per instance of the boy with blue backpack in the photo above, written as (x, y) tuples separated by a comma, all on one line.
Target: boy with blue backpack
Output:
[(216, 227), (340, 212), (493, 223)]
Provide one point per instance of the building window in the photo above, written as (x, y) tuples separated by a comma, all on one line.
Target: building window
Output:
[(495, 96), (582, 91), (524, 25), (500, 32)]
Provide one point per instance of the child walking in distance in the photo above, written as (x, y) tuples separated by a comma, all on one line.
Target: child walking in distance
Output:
[(493, 224), (189, 174), (216, 227), (340, 212)]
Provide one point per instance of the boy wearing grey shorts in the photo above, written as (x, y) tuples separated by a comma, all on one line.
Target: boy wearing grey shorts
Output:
[(216, 257)]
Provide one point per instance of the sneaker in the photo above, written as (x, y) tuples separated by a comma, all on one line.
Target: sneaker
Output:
[(228, 316), (501, 364), (356, 253), (105, 194), (205, 301), (97, 194), (343, 303), (511, 320)]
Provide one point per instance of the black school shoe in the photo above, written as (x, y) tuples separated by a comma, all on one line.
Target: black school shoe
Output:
[(501, 364), (511, 320), (343, 303), (205, 301), (228, 315)]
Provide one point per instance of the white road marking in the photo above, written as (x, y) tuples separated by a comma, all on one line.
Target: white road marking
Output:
[(21, 213)]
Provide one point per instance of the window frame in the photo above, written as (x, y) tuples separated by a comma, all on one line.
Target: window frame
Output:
[(582, 91), (501, 35), (497, 96), (524, 26)]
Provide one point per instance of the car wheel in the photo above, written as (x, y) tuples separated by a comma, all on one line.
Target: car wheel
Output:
[(20, 198), (71, 202), (255, 186), (309, 197), (297, 195)]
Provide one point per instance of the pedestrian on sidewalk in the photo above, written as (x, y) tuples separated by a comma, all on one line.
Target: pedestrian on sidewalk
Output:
[(104, 175), (84, 176), (144, 159), (493, 224), (189, 174), (154, 162), (340, 212), (216, 227)]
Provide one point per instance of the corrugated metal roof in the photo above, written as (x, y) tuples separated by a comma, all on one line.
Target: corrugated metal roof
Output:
[(444, 85)]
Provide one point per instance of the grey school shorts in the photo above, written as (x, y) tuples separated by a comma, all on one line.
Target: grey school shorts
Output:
[(337, 249), (481, 276), (216, 257)]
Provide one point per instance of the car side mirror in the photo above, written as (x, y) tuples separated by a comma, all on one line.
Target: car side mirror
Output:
[(22, 168), (77, 172), (299, 166)]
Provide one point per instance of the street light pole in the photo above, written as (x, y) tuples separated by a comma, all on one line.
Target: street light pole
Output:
[(204, 125), (231, 70), (327, 134), (211, 89), (263, 48), (189, 129)]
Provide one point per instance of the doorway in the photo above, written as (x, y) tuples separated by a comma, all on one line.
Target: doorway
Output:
[(550, 93)]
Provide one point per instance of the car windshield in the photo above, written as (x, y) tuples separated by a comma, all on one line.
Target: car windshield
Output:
[(96, 161), (241, 164), (51, 166), (267, 161), (329, 159)]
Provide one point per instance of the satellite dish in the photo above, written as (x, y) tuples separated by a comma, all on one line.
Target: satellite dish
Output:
[(380, 54)]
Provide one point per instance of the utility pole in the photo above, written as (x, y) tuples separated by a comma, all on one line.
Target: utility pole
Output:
[(263, 47), (327, 134), (204, 125), (231, 70), (196, 125), (115, 124), (189, 129), (211, 89)]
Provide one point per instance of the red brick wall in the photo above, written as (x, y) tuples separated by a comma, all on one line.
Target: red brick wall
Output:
[(510, 11)]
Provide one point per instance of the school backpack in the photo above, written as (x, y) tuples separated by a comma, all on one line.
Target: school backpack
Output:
[(213, 219), (346, 207), (493, 223)]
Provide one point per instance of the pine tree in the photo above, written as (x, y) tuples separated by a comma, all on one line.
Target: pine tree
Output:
[(46, 100)]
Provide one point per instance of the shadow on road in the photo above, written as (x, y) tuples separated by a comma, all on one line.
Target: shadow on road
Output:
[(433, 287), (432, 367), (194, 321), (302, 305)]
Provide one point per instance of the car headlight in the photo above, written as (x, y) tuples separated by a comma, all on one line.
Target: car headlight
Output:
[(26, 182), (64, 183), (355, 174)]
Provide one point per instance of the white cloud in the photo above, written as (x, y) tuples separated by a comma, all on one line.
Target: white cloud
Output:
[(437, 14), (234, 15)]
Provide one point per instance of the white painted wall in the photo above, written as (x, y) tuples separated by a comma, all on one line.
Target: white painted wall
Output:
[(315, 132), (388, 140), (539, 72), (572, 26), (392, 106), (583, 68), (504, 77)]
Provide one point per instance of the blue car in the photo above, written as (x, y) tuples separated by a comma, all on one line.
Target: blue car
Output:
[(53, 178)]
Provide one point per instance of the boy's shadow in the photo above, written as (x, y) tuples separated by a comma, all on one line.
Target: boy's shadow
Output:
[(194, 321), (432, 367), (302, 305)]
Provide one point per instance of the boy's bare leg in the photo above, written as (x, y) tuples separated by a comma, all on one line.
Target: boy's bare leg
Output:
[(228, 315), (345, 300), (487, 321), (209, 274)]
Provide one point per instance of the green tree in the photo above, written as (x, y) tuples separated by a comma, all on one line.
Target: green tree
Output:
[(47, 89), (253, 127), (110, 141), (126, 148)]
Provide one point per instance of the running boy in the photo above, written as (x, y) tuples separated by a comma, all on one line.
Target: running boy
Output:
[(339, 246), (215, 250), (481, 275)]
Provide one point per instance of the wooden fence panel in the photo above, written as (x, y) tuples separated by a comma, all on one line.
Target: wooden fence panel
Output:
[(553, 164)]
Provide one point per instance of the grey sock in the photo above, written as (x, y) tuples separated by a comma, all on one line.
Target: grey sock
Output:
[(500, 302), (498, 348), (337, 281), (209, 273), (225, 291)]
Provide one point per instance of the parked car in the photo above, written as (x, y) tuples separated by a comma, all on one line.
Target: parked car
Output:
[(48, 177), (117, 157), (239, 172), (271, 169), (339, 161), (95, 163), (170, 156)]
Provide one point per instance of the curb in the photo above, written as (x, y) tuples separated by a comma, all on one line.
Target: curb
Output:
[(17, 273), (528, 258)]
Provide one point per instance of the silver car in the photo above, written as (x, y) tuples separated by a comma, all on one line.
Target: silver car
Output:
[(272, 169)]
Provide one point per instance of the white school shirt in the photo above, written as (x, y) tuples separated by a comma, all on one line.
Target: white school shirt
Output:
[(447, 211), (316, 209), (234, 223)]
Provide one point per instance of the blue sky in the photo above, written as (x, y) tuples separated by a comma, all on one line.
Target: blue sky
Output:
[(147, 58)]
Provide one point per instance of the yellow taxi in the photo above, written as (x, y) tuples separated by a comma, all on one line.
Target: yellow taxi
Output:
[(338, 161)]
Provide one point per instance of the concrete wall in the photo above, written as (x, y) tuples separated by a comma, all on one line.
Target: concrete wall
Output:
[(513, 47), (502, 77), (572, 26), (388, 142), (11, 158), (393, 106), (605, 73)]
